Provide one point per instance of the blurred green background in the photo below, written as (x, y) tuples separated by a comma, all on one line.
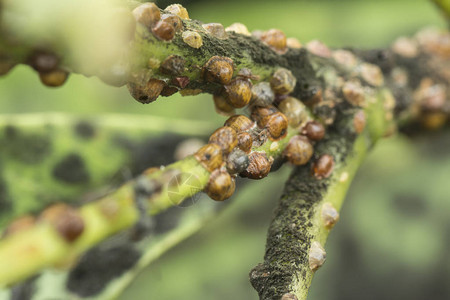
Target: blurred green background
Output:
[(393, 239)]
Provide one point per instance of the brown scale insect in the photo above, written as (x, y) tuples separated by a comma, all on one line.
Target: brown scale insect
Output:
[(216, 30), (43, 62), (259, 166), (181, 81), (317, 256), (316, 97), (323, 167), (359, 121), (353, 93), (173, 20), (221, 185), (239, 123), (262, 94), (19, 224), (226, 138), (237, 161), (222, 105), (178, 10), (293, 43), (275, 39), (314, 130), (210, 156), (294, 110), (193, 39), (371, 74), (283, 81), (298, 151), (259, 113), (172, 65), (276, 124), (318, 48), (147, 14), (54, 78), (65, 219), (289, 296), (329, 215), (218, 69), (148, 93), (163, 30), (168, 91), (239, 92), (238, 28), (245, 141)]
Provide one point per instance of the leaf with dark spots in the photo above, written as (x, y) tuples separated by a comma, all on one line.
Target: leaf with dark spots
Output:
[(71, 169)]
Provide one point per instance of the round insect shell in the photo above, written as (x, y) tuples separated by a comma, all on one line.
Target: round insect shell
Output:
[(239, 92), (187, 147), (173, 20), (226, 138), (345, 58), (65, 219), (43, 62), (245, 141), (147, 14), (221, 185), (353, 93), (168, 91), (406, 47), (54, 78), (178, 10), (173, 65), (259, 114), (294, 110), (359, 121), (283, 81), (372, 74), (216, 30), (318, 48), (298, 151), (238, 28), (222, 105), (262, 94), (147, 93), (293, 43), (329, 215), (276, 124), (289, 296), (209, 156), (218, 69), (276, 39), (259, 166), (192, 39), (163, 30), (239, 123), (317, 256), (237, 161), (314, 130), (323, 167)]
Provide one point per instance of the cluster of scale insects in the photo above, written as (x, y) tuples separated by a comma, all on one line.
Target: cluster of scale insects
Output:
[(272, 110)]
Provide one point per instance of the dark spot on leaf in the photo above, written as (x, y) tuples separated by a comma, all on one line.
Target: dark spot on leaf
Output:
[(71, 169), (167, 220), (27, 148), (410, 205), (85, 130), (24, 290), (98, 267)]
